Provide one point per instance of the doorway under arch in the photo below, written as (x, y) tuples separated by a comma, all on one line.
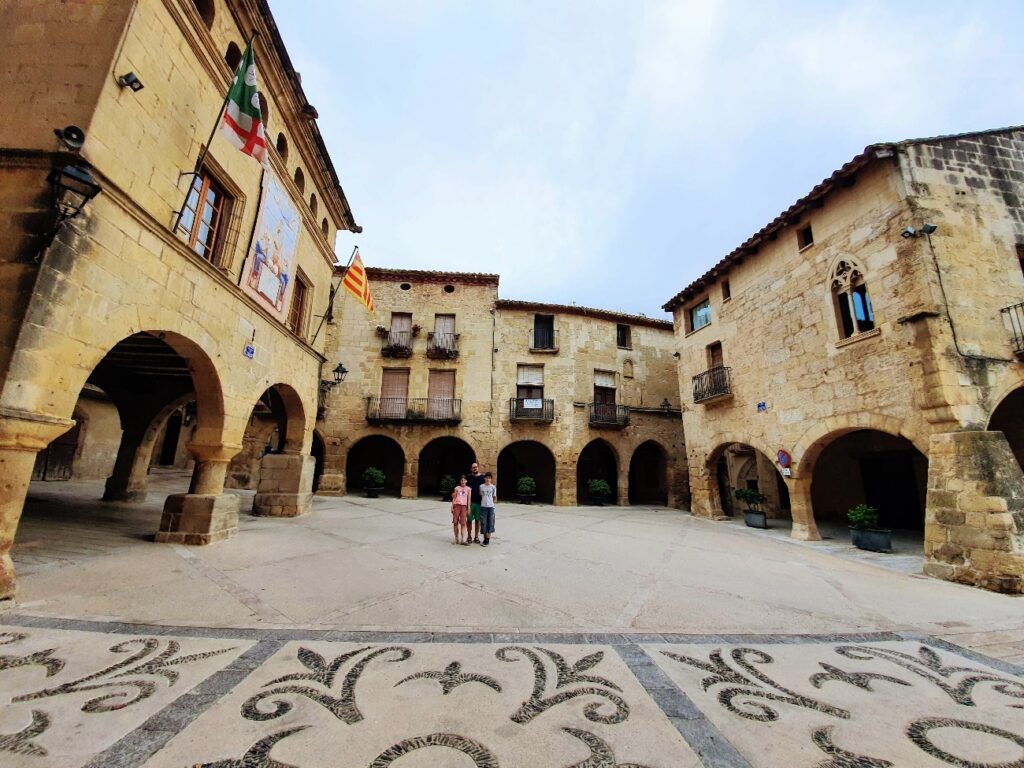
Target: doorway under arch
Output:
[(867, 466), (377, 451), (648, 474), (317, 450), (738, 465), (442, 456), (597, 462), (1008, 418), (527, 458), (276, 425)]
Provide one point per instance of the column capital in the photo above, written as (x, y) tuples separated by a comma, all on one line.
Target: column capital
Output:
[(216, 452), (27, 431)]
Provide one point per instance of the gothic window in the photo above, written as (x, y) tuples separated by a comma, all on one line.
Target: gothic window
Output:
[(850, 299)]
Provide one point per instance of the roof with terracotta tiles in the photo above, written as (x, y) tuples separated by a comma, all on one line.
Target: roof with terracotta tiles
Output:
[(842, 177), (572, 309), (431, 276)]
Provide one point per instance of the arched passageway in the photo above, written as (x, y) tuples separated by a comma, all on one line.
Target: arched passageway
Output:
[(375, 451), (738, 465), (527, 458), (442, 456), (317, 451), (277, 410), (1008, 418), (648, 475), (867, 466), (597, 462)]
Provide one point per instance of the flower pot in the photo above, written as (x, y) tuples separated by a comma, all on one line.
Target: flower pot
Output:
[(755, 519), (371, 493), (598, 500), (525, 498), (872, 541)]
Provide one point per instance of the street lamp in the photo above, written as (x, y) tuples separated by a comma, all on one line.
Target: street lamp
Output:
[(73, 187), (340, 373)]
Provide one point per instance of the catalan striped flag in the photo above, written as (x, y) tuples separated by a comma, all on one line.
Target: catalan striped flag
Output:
[(355, 281)]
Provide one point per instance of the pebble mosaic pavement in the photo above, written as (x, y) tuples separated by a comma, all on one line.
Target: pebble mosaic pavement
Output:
[(87, 693)]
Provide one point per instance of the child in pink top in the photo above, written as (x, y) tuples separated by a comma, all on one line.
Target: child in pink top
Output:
[(460, 511)]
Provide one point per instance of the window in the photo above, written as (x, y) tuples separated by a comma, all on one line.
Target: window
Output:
[(804, 237), (543, 332), (205, 209), (700, 315), (264, 109), (325, 228), (715, 357), (441, 394), (530, 382), (854, 313), (401, 329), (622, 336), (297, 311), (282, 146), (1020, 255), (726, 291), (604, 394), (206, 11), (300, 179), (394, 393), (232, 57), (312, 202)]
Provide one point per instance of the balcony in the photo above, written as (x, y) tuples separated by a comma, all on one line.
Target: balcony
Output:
[(712, 385), (531, 409), (397, 344), (543, 340), (609, 415), (1015, 314), (442, 346), (420, 410)]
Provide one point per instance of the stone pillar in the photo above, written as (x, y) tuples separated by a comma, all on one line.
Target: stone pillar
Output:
[(22, 436), (704, 500), (410, 479), (768, 485), (804, 527), (130, 479), (205, 514), (622, 488), (565, 485), (286, 485), (974, 520)]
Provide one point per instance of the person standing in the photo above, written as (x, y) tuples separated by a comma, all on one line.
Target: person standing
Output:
[(475, 480), (460, 504), (488, 501)]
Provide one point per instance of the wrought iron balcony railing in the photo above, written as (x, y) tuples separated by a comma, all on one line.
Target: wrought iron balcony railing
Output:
[(397, 344), (543, 340), (442, 346), (712, 384), (437, 410), (1015, 314), (531, 409), (608, 415)]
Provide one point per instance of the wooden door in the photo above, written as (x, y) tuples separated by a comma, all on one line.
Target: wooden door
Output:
[(440, 394), (394, 393)]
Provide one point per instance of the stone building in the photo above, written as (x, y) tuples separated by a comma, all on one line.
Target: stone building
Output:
[(142, 302), (872, 333), (445, 372)]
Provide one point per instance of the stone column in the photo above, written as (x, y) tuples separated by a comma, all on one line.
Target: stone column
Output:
[(565, 485), (974, 520), (704, 501), (622, 488), (804, 527), (22, 436), (205, 514), (768, 485), (130, 479), (410, 479), (286, 485)]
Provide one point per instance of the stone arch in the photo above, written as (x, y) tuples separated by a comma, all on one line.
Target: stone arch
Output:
[(380, 451), (1008, 417), (648, 474), (439, 457), (743, 463), (527, 457), (206, 11), (294, 433), (597, 460), (817, 436)]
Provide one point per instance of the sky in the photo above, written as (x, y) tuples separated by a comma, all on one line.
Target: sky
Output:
[(608, 153)]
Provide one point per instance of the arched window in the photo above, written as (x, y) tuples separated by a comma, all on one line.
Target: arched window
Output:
[(325, 227), (300, 179), (232, 57), (264, 110), (282, 146), (312, 202), (850, 299), (205, 9)]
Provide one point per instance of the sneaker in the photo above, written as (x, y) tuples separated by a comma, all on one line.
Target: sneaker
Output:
[(487, 542)]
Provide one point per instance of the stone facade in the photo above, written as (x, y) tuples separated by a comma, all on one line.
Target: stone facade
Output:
[(114, 298), (859, 346), (423, 441)]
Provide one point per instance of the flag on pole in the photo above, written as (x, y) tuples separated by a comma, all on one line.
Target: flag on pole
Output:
[(243, 120), (355, 281)]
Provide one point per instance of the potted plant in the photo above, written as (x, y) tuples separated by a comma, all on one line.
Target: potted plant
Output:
[(382, 331), (446, 486), (373, 482), (526, 489), (864, 530), (416, 330), (753, 515), (599, 491)]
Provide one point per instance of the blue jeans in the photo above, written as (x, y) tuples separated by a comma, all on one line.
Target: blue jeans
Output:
[(486, 520)]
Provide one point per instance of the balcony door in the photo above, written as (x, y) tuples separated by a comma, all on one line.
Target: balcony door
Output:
[(444, 332), (394, 393), (543, 331), (604, 395), (530, 391), (441, 395)]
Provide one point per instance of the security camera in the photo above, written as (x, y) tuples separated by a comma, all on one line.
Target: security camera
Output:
[(928, 228), (72, 136), (908, 232)]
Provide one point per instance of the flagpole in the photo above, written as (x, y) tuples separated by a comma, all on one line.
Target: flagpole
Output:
[(206, 147), (329, 314)]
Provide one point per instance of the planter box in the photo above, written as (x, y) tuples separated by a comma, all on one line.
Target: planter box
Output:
[(755, 519), (872, 541), (525, 498), (371, 493)]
